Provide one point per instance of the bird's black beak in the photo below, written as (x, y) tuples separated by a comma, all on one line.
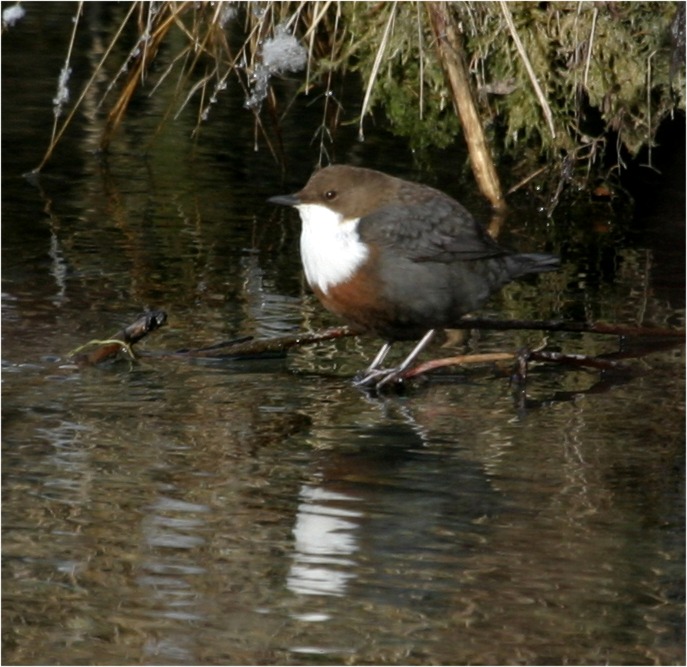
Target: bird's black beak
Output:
[(285, 200)]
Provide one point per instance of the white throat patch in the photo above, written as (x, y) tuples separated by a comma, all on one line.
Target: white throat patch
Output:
[(331, 249)]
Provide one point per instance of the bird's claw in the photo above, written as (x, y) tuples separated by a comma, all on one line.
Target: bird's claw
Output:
[(378, 378)]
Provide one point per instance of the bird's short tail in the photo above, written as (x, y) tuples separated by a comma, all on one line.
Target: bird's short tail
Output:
[(536, 262)]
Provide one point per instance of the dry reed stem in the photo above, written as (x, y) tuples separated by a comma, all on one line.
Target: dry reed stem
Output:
[(56, 138), (136, 75), (528, 66), (202, 26), (421, 50), (70, 49), (591, 46), (375, 68)]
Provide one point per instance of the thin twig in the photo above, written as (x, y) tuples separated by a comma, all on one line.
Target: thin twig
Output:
[(649, 141), (591, 44), (603, 328), (375, 68), (528, 66), (527, 179), (65, 71), (250, 347), (153, 42), (421, 51), (96, 72)]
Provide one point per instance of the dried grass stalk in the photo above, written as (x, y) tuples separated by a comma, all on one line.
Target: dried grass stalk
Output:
[(453, 60)]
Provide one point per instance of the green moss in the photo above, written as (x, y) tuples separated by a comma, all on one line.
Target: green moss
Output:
[(609, 72), (594, 63)]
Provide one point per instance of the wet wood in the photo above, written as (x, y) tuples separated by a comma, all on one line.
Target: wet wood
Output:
[(247, 347), (657, 340), (520, 360), (251, 348), (122, 341), (261, 348)]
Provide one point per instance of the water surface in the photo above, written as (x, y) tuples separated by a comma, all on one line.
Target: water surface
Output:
[(266, 511)]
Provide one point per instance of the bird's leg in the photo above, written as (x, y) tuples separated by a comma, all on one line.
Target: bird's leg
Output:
[(398, 371), (380, 377), (381, 355)]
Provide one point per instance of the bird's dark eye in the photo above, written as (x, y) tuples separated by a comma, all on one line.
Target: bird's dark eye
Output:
[(330, 194)]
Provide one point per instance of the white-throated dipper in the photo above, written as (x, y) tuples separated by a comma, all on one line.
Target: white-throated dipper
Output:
[(397, 258)]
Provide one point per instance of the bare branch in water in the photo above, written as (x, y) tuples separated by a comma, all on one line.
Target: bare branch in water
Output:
[(123, 340), (249, 348)]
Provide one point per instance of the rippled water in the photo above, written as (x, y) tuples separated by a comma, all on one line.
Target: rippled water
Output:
[(266, 511)]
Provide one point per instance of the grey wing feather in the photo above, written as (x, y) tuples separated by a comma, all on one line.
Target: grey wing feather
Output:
[(441, 232)]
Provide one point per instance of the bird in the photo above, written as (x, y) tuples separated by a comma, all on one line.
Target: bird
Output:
[(397, 259)]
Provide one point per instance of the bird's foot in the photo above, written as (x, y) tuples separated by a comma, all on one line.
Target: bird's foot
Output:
[(379, 377)]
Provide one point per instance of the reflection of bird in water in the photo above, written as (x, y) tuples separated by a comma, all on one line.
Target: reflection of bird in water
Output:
[(385, 504)]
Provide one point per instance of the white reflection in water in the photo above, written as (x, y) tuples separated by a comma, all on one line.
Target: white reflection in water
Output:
[(324, 541), (177, 532)]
